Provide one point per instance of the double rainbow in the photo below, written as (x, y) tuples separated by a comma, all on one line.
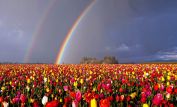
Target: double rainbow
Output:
[(67, 38)]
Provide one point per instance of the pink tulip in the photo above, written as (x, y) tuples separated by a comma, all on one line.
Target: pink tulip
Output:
[(65, 88), (78, 96), (157, 99)]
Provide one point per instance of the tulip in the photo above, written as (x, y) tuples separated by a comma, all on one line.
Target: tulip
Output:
[(145, 105), (35, 104), (15, 100), (156, 87), (5, 104), (75, 103), (44, 100), (157, 99), (23, 98), (104, 103), (93, 103), (31, 100), (3, 88), (168, 77), (81, 81), (162, 79), (122, 97), (65, 88), (78, 96), (1, 99), (168, 95), (28, 81), (45, 79), (54, 103), (169, 89), (133, 95), (162, 87), (117, 98), (128, 98), (121, 90), (75, 84)]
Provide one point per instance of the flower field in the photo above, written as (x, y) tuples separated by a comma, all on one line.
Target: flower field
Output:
[(122, 85)]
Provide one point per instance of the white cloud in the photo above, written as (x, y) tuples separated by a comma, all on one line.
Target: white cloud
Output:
[(170, 54), (123, 47), (168, 57)]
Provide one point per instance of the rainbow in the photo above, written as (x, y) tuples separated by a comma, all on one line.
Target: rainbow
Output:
[(37, 31), (71, 32)]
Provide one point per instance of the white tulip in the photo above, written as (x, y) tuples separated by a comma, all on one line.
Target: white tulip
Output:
[(5, 104), (45, 79), (44, 100)]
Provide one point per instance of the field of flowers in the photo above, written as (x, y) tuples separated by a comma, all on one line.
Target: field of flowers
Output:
[(122, 85)]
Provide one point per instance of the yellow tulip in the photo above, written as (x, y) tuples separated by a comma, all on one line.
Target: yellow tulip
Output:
[(28, 81), (168, 77), (61, 100), (31, 100), (93, 103), (168, 83), (133, 73), (47, 89), (91, 72), (75, 84), (3, 88), (133, 95), (145, 105), (81, 81), (10, 82), (94, 89), (162, 79)]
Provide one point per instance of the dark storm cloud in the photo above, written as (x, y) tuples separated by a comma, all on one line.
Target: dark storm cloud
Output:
[(147, 23), (131, 30)]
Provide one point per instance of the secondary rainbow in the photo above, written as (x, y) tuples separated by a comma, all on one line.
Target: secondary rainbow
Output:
[(38, 30), (71, 31)]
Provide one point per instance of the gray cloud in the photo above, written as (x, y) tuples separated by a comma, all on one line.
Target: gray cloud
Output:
[(129, 29)]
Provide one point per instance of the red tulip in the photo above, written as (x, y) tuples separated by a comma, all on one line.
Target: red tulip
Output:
[(23, 98), (156, 87), (157, 99), (54, 103), (104, 103), (171, 105), (128, 98), (117, 98), (67, 100), (175, 90), (169, 89), (1, 99), (143, 99), (35, 104), (122, 98), (121, 90)]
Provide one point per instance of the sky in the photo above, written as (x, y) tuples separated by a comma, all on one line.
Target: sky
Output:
[(33, 31)]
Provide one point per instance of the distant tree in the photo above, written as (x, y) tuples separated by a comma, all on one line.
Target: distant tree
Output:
[(109, 60), (106, 60)]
